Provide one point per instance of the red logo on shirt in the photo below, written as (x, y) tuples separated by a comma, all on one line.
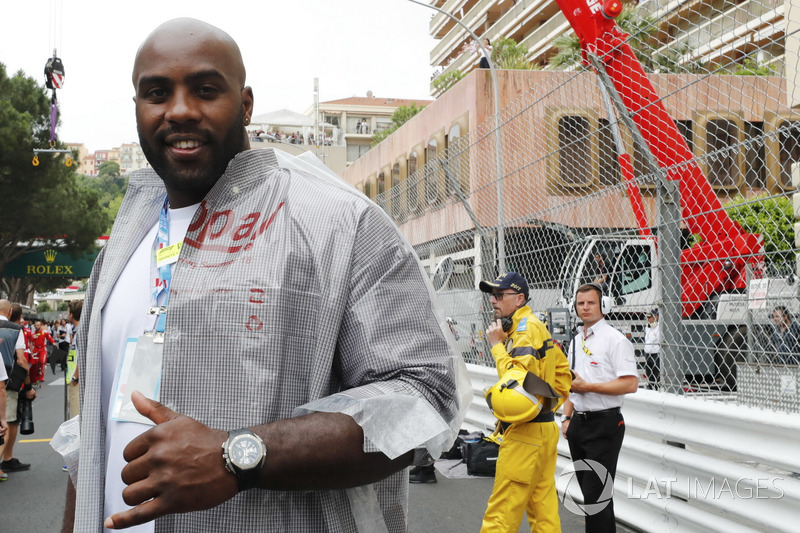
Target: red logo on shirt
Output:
[(226, 225)]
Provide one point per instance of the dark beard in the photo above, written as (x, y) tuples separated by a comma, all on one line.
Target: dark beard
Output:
[(199, 178)]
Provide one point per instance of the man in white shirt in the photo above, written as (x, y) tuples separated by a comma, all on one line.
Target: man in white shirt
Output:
[(604, 365), (652, 347)]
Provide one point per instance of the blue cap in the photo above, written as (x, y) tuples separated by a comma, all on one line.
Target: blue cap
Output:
[(509, 280)]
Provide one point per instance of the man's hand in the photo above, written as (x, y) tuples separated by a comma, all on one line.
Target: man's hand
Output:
[(495, 333), (580, 385), (175, 467), (30, 394)]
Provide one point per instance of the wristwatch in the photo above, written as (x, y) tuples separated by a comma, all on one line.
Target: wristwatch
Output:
[(244, 453), (565, 418)]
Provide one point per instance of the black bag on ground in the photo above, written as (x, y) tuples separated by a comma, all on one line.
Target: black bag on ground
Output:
[(455, 451), (481, 457), (16, 378)]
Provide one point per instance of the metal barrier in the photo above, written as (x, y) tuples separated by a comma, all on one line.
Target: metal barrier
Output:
[(689, 465)]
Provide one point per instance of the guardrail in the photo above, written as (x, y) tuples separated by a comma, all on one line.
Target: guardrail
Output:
[(690, 465)]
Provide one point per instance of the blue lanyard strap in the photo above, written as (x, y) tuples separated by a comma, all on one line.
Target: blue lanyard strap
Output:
[(164, 280)]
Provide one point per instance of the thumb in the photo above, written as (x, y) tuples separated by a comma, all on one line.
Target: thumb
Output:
[(152, 409)]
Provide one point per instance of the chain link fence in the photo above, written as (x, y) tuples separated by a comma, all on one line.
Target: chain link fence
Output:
[(672, 189)]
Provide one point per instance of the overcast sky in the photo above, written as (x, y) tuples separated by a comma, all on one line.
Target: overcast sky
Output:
[(352, 46)]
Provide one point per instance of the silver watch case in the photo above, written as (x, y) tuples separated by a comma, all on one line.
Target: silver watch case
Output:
[(243, 451)]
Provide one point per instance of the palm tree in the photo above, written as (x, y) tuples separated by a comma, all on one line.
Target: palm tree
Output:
[(507, 54), (641, 31)]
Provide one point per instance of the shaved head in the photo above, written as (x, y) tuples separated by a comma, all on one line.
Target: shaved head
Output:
[(192, 106), (180, 33)]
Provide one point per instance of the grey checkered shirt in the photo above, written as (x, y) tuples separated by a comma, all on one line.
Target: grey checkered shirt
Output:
[(325, 307)]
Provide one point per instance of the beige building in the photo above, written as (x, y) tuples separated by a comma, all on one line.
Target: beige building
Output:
[(570, 122), (84, 161), (131, 157), (357, 118)]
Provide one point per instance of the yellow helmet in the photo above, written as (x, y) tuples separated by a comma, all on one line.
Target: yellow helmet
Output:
[(519, 396)]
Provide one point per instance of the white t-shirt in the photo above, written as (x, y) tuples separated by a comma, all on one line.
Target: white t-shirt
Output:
[(125, 316), (603, 354), (652, 338)]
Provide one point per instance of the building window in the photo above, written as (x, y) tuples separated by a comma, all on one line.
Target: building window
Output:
[(411, 191), (432, 174), (723, 168), (395, 192), (382, 124), (354, 151), (610, 172), (574, 154), (381, 183), (789, 145), (755, 168)]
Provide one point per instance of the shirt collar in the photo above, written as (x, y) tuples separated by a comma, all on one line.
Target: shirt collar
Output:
[(588, 332)]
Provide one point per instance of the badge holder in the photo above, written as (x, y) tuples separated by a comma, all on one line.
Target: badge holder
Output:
[(140, 370)]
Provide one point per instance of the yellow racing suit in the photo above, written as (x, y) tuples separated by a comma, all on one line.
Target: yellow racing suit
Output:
[(525, 476)]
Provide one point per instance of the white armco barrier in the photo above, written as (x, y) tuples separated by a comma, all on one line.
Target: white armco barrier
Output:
[(689, 465)]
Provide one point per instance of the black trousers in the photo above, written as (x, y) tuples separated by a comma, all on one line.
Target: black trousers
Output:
[(652, 369), (597, 439)]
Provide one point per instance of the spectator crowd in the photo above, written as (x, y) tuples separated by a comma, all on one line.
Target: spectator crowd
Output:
[(26, 346)]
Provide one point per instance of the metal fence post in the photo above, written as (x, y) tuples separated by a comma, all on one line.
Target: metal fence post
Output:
[(669, 251)]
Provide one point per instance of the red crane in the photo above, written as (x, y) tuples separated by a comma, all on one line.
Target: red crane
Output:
[(718, 262)]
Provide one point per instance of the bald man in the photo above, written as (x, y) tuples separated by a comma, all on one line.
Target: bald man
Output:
[(12, 348), (278, 316)]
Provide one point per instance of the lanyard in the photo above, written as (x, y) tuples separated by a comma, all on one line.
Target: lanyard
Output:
[(164, 256), (584, 347)]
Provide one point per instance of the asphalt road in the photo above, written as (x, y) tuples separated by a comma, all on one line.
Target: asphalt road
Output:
[(35, 498)]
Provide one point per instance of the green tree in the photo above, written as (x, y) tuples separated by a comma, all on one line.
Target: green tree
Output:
[(751, 67), (445, 81), (400, 116), (641, 31), (41, 205), (110, 186), (43, 307), (773, 218), (507, 54)]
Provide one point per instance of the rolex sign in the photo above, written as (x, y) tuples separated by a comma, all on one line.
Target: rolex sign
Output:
[(50, 262)]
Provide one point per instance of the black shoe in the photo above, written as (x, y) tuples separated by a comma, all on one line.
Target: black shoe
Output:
[(422, 474), (14, 465)]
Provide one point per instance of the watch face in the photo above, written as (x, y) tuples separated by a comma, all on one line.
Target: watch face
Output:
[(245, 452)]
